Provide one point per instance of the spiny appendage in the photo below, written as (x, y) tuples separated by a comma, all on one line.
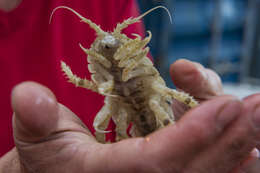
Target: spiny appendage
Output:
[(178, 95), (124, 24), (147, 39), (102, 119), (111, 109), (121, 121), (94, 26), (99, 58), (125, 49), (131, 20), (124, 38), (137, 36), (132, 63), (142, 71), (133, 45), (84, 83), (184, 98)]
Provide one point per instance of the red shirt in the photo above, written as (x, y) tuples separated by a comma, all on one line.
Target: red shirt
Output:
[(31, 49)]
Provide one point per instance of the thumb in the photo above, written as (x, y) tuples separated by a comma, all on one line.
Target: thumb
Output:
[(46, 133), (35, 112), (195, 79)]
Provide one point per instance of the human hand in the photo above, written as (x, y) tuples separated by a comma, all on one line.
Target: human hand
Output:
[(61, 142), (204, 84), (50, 138)]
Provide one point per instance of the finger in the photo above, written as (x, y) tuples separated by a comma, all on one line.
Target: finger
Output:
[(177, 143), (237, 142), (193, 78), (48, 136), (200, 127), (37, 114), (35, 111), (247, 163)]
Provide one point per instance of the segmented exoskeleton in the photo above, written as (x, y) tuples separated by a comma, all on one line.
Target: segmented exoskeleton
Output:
[(134, 91)]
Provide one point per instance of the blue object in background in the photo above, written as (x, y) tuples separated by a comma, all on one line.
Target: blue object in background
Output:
[(206, 31)]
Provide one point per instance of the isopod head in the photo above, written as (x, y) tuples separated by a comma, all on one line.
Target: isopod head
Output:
[(107, 45), (109, 42)]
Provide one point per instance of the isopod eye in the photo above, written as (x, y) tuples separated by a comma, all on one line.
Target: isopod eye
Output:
[(107, 47)]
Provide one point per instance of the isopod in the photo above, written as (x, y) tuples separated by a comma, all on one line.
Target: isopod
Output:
[(134, 91)]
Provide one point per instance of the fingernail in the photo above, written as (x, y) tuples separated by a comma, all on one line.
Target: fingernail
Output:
[(255, 153), (256, 116), (229, 112)]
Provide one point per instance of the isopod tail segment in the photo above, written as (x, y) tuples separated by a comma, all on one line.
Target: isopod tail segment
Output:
[(94, 26), (131, 20)]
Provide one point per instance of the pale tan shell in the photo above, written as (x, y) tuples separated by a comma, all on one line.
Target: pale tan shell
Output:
[(134, 91)]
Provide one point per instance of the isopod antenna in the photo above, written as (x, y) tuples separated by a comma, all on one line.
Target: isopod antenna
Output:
[(94, 26), (131, 20)]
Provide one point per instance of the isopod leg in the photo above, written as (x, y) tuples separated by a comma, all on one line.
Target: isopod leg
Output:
[(161, 115), (133, 63), (126, 50), (178, 95), (102, 119), (134, 132), (143, 70), (129, 49), (134, 59), (96, 56), (103, 79), (121, 121), (106, 88), (79, 82), (102, 71)]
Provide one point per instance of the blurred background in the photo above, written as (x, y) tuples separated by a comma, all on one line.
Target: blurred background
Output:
[(223, 35)]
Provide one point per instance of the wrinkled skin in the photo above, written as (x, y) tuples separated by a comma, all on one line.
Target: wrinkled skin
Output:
[(218, 136)]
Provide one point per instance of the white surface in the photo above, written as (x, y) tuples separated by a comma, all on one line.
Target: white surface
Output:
[(240, 90)]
